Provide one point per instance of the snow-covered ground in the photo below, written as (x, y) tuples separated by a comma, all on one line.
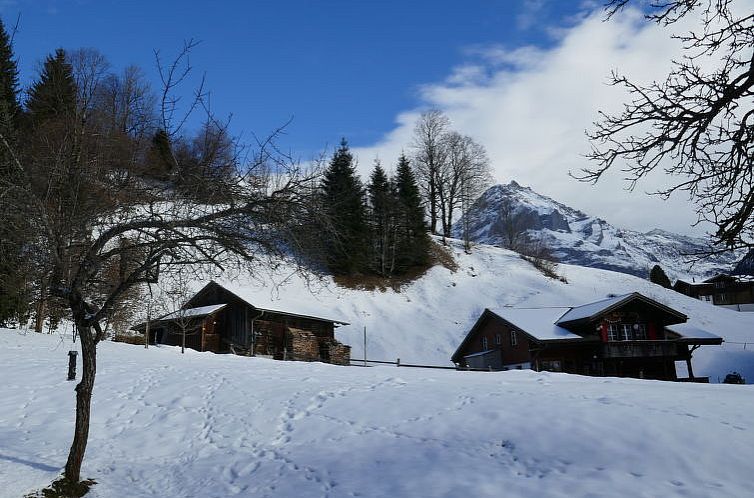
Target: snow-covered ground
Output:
[(205, 425), (426, 321)]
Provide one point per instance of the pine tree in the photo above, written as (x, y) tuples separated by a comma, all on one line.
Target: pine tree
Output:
[(381, 201), (53, 161), (8, 75), (343, 198), (13, 283), (54, 94), (657, 275), (412, 240)]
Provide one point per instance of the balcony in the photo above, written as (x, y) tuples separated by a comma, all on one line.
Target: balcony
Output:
[(639, 349)]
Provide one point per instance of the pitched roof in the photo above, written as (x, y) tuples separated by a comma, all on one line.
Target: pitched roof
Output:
[(540, 323), (593, 310), (267, 310), (193, 312), (537, 323)]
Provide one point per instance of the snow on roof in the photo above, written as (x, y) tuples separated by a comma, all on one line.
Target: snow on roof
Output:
[(194, 312), (591, 309), (537, 322), (691, 331), (241, 293)]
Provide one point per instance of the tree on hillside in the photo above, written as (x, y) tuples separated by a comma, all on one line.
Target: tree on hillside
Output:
[(14, 285), (697, 124), (343, 200), (512, 226), (50, 154), (429, 158), (657, 276), (88, 209), (462, 178), (411, 239), (382, 220)]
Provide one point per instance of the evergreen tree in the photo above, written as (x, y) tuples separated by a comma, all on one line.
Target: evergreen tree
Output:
[(412, 240), (54, 94), (347, 239), (8, 76), (13, 283), (657, 275), (381, 201), (53, 159)]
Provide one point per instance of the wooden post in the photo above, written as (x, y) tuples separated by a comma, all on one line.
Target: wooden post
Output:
[(398, 362), (146, 331), (365, 345), (72, 365)]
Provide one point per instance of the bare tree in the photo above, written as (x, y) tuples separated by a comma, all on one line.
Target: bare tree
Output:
[(512, 226), (429, 158), (105, 211), (698, 124), (175, 294), (463, 177)]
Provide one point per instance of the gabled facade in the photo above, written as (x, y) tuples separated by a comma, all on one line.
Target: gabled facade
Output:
[(215, 319), (625, 336), (729, 291)]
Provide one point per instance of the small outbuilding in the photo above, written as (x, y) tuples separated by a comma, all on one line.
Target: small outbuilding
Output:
[(215, 319), (629, 335)]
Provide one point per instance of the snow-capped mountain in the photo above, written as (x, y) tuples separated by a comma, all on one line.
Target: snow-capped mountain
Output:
[(504, 212)]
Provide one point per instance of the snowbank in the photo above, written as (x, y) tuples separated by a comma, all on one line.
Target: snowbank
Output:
[(205, 425)]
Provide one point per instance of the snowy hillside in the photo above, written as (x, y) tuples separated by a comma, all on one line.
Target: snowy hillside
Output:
[(580, 239), (202, 425), (426, 321)]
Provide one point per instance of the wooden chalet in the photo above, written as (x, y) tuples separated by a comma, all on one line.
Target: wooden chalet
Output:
[(624, 336), (729, 291), (215, 319)]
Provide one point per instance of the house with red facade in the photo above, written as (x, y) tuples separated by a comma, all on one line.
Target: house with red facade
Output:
[(629, 335)]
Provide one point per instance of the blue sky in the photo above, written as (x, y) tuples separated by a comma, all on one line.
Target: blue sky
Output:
[(339, 68), (525, 78)]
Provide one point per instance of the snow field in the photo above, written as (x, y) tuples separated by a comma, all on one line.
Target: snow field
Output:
[(205, 425)]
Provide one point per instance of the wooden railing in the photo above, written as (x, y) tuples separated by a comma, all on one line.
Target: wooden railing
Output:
[(638, 349)]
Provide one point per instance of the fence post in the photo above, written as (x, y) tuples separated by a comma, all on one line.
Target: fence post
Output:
[(398, 362), (72, 365)]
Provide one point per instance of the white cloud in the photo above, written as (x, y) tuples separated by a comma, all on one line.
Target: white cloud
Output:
[(530, 108)]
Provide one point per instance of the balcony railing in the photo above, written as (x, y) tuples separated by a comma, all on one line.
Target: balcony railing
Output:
[(638, 349)]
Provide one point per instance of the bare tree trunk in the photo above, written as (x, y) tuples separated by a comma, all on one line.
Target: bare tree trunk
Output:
[(432, 203), (39, 319), (83, 404)]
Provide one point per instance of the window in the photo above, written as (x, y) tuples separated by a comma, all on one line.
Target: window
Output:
[(722, 298), (612, 332), (514, 338), (498, 339), (625, 332), (485, 343), (640, 332)]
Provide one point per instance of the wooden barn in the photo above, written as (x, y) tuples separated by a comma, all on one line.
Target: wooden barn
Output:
[(624, 336), (215, 319)]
